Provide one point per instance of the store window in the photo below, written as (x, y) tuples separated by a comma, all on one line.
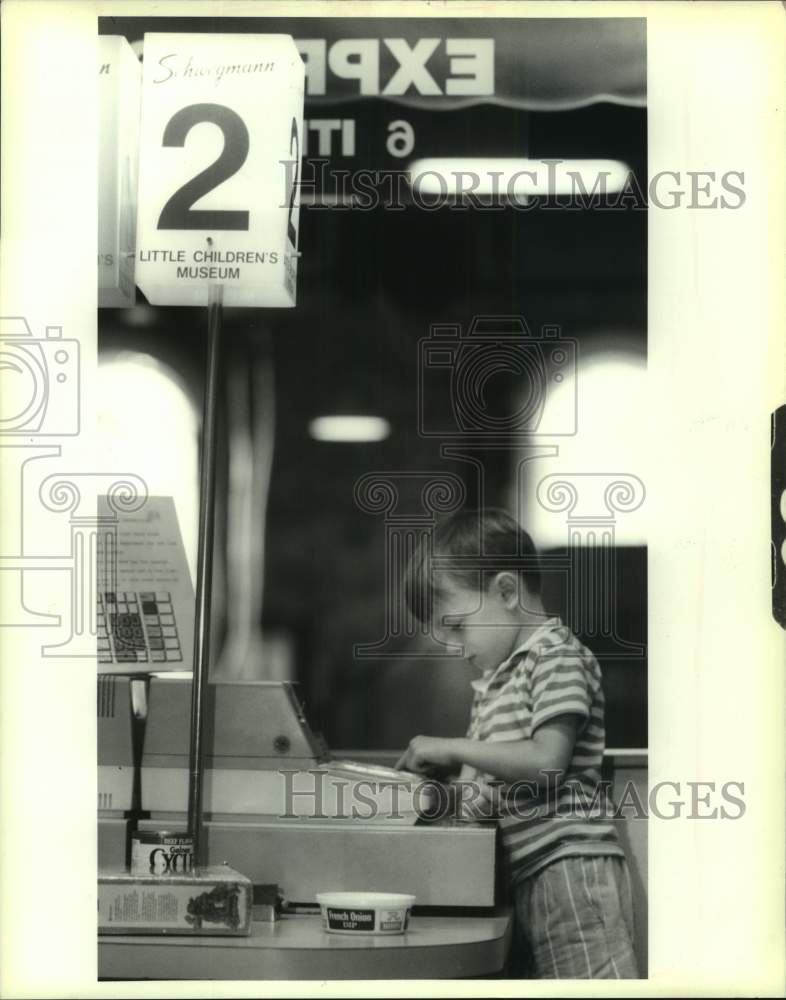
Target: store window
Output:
[(606, 405), (148, 425)]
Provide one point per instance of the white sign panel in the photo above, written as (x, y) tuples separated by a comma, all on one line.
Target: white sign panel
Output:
[(120, 91), (221, 143), (145, 595)]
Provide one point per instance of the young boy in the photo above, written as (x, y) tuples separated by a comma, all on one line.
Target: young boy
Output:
[(536, 727)]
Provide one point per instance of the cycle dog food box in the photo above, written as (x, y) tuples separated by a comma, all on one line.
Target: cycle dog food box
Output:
[(365, 912), (208, 901)]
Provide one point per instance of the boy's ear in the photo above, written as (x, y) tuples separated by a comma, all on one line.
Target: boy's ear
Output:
[(506, 585)]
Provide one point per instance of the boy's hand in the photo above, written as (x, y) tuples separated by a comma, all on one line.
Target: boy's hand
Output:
[(429, 755)]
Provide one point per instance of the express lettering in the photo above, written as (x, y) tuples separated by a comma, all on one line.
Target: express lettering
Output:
[(470, 65)]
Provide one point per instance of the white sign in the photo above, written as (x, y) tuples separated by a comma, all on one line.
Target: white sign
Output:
[(145, 595), (221, 144), (120, 89)]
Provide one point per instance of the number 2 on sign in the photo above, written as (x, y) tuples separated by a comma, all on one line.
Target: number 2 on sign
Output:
[(178, 213)]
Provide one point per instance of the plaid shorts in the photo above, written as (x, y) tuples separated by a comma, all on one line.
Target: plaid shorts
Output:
[(574, 920)]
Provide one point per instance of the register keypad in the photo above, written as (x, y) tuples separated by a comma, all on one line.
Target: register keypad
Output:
[(137, 627)]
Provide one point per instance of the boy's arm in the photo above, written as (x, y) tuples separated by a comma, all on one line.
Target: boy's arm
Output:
[(549, 749)]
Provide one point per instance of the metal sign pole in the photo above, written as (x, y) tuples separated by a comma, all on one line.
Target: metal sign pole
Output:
[(207, 490)]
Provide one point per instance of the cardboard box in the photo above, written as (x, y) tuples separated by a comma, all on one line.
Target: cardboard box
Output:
[(213, 901)]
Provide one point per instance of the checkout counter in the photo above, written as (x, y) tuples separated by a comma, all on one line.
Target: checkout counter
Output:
[(281, 810)]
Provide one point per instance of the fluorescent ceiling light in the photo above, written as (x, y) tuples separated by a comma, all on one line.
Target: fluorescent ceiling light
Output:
[(508, 177), (349, 428)]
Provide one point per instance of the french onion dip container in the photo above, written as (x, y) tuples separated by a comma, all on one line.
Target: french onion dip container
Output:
[(365, 912)]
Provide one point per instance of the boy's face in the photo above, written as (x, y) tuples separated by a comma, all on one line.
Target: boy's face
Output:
[(484, 623)]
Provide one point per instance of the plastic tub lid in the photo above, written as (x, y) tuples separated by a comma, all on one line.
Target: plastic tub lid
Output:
[(361, 898)]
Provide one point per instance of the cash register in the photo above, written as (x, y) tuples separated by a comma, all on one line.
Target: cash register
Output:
[(279, 808)]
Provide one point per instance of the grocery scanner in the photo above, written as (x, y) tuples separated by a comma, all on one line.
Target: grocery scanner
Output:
[(281, 810)]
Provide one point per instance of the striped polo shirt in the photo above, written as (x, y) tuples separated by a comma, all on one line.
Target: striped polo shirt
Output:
[(549, 675)]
